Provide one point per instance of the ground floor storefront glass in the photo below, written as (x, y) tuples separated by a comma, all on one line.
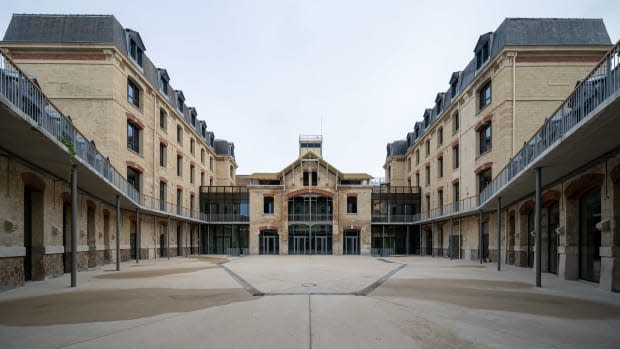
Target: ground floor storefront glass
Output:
[(396, 239), (315, 239), (231, 239), (269, 242)]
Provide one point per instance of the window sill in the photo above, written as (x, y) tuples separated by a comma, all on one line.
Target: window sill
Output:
[(351, 214), (483, 154), (135, 152)]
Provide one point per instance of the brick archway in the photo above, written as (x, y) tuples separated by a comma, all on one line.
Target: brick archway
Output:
[(527, 207), (549, 197), (583, 184), (33, 181)]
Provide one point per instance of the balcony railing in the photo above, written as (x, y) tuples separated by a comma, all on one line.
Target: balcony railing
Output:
[(24, 94), (221, 218), (384, 218), (591, 92), (305, 217)]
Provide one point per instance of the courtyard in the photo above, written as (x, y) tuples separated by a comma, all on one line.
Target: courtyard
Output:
[(308, 302)]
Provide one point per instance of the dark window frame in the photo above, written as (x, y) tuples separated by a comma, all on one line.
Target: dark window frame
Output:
[(133, 136), (268, 205), (352, 204), (133, 93), (133, 178), (485, 139), (485, 95)]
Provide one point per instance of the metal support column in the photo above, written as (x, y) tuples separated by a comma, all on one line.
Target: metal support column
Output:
[(480, 244), (74, 213), (537, 225), (498, 218), (118, 233), (138, 235), (408, 239), (383, 240), (168, 238)]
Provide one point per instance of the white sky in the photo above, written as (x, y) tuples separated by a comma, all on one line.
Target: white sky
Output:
[(262, 72)]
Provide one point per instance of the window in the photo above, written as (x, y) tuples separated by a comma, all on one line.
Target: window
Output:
[(191, 173), (232, 172), (417, 156), (268, 205), (191, 204), (133, 93), (211, 163), (408, 164), (191, 145), (211, 181), (417, 179), (455, 192), (162, 119), (163, 84), (455, 122), (135, 52), (455, 157), (428, 203), (453, 88), (202, 156), (439, 137), (162, 196), (482, 55), (202, 178), (484, 178), (427, 144), (179, 200), (310, 178), (179, 134), (484, 96), (133, 137), (440, 167), (180, 102), (179, 165), (428, 175), (485, 139), (162, 154), (133, 177), (440, 198), (351, 204)]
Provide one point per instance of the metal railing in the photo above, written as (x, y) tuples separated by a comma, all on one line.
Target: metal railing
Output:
[(306, 217), (393, 218), (602, 82), (24, 94), (211, 217)]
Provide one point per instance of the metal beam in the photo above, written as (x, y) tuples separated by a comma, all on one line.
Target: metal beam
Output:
[(118, 233), (537, 219), (498, 218), (74, 213)]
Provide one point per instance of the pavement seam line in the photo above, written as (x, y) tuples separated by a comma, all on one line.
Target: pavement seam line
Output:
[(241, 281), (365, 291), (310, 321)]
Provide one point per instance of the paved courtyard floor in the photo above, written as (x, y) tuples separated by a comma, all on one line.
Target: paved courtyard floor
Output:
[(309, 302)]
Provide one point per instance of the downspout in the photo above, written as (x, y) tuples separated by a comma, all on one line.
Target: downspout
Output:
[(154, 142), (514, 101)]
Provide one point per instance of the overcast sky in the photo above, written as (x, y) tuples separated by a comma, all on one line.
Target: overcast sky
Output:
[(263, 72)]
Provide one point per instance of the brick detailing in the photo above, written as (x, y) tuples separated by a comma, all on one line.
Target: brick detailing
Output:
[(583, 184), (33, 181), (556, 58), (485, 166), (527, 207), (310, 191), (135, 166), (549, 197), (134, 120), (267, 227)]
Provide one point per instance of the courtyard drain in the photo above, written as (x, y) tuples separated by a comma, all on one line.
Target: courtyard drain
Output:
[(308, 284)]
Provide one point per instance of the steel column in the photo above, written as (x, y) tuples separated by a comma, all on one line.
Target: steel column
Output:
[(74, 213), (383, 241), (118, 233), (538, 252), (168, 238), (480, 239), (499, 233), (138, 233)]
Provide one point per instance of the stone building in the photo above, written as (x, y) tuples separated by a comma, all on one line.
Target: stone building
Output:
[(81, 103), (130, 122), (529, 91)]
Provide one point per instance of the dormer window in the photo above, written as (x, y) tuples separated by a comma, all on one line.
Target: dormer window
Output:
[(482, 56), (164, 85), (192, 116), (180, 101), (135, 52), (438, 102)]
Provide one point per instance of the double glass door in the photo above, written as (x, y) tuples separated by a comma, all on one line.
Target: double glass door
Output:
[(351, 243)]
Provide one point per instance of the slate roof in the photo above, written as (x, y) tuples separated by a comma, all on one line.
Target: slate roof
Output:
[(519, 32)]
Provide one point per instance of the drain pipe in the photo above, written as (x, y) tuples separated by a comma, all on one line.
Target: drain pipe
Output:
[(514, 101)]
